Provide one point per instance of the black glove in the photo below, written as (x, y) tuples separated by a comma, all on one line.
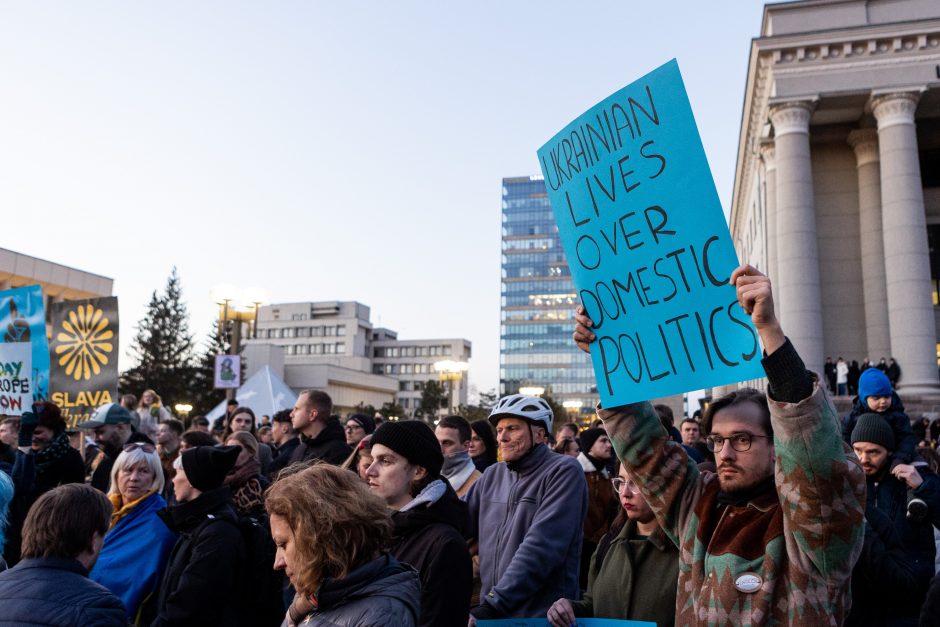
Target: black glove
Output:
[(28, 423)]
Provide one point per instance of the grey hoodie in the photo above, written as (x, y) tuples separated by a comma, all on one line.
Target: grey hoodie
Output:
[(528, 518)]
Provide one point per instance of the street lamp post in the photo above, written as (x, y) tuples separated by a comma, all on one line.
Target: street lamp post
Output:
[(451, 371), (231, 317)]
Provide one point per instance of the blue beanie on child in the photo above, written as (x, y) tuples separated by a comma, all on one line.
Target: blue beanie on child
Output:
[(873, 382)]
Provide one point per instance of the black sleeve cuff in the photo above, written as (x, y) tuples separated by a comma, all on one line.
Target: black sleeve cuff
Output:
[(788, 380), (484, 611)]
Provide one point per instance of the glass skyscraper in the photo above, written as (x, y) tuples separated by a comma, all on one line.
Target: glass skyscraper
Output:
[(538, 303)]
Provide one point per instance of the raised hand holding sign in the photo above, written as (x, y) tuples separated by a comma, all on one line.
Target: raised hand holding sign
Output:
[(648, 246)]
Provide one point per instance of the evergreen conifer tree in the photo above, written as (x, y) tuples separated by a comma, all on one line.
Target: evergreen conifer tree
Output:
[(163, 348)]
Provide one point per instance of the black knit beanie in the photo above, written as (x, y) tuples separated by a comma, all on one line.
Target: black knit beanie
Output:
[(589, 436), (874, 429), (363, 420), (206, 466), (413, 440)]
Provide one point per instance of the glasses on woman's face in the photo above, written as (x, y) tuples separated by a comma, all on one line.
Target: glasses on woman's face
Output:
[(145, 446), (354, 427), (741, 442), (621, 484)]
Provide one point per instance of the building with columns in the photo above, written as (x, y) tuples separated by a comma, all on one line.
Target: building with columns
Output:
[(837, 184)]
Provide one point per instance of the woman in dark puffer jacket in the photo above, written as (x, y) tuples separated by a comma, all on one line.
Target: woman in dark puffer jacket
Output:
[(331, 536)]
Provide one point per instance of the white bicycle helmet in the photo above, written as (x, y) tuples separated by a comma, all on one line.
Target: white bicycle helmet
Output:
[(532, 409)]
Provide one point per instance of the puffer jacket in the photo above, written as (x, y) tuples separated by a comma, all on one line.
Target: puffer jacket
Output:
[(56, 592), (529, 516), (377, 594), (429, 536)]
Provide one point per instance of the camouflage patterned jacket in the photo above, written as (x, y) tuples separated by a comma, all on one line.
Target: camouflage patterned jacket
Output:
[(774, 561)]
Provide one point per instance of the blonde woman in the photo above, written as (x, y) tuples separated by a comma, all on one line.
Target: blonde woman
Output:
[(138, 543)]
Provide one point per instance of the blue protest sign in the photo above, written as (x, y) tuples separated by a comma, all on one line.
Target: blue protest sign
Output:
[(647, 243), (581, 622), (24, 349)]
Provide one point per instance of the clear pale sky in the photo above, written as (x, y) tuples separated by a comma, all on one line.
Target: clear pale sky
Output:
[(342, 150)]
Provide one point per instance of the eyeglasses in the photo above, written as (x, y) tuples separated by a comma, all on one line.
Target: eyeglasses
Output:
[(145, 446), (354, 428), (619, 484), (741, 442)]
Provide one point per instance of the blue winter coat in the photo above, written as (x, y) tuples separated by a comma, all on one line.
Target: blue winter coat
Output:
[(56, 592), (134, 555), (528, 516)]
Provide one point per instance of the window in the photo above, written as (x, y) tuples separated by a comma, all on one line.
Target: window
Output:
[(329, 349), (329, 330), (341, 330), (341, 348), (446, 349), (404, 386)]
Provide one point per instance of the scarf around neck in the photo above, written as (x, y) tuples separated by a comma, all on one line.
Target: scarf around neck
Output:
[(454, 463), (56, 450)]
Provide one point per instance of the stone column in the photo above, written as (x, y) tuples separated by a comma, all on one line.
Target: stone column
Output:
[(865, 143), (907, 261), (770, 180), (798, 296)]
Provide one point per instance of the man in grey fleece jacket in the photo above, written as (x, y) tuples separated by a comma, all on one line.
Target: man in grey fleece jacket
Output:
[(527, 512)]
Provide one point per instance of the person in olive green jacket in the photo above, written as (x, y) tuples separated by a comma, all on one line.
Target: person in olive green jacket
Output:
[(633, 572)]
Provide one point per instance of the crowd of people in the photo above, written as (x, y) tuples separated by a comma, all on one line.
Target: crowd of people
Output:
[(768, 508)]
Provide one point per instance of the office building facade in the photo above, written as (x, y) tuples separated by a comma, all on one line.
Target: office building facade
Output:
[(538, 301)]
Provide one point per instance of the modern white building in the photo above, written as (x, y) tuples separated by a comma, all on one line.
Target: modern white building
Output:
[(332, 346), (837, 185), (412, 362)]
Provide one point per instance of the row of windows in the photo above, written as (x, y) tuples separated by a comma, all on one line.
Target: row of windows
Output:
[(521, 373), (413, 351), (539, 345), (556, 257), (516, 271), (535, 330), (538, 243), (587, 391), (339, 348), (537, 228), (403, 369), (520, 298), (532, 215), (418, 386), (289, 332), (530, 359), (537, 315)]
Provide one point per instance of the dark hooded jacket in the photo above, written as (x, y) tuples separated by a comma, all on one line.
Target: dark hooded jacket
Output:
[(30, 482), (429, 535), (328, 446), (885, 586), (905, 442), (916, 539), (56, 592), (377, 594), (201, 584)]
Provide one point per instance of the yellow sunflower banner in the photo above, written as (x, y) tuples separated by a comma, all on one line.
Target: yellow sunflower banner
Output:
[(83, 354)]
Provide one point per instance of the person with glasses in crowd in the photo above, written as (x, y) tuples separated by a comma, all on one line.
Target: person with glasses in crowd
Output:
[(633, 571), (357, 427), (138, 544), (774, 535)]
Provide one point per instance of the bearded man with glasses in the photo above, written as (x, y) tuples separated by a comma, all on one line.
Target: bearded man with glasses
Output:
[(772, 537)]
